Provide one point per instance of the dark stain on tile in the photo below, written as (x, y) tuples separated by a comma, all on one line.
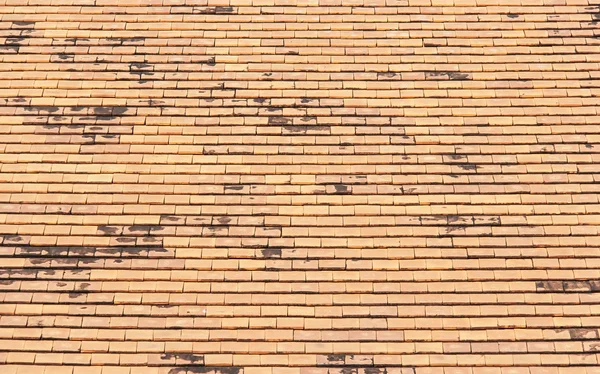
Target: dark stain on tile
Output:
[(279, 121), (583, 334), (23, 25), (453, 76), (550, 286), (336, 359), (386, 75), (342, 189), (110, 230), (271, 252), (468, 167), (223, 220), (214, 10)]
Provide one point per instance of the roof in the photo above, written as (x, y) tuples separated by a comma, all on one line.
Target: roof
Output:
[(299, 187)]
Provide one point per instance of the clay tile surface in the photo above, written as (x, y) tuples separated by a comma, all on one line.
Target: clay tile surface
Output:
[(299, 186)]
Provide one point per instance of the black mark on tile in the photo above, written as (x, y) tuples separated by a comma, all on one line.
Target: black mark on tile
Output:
[(580, 334), (9, 49), (336, 359), (550, 286), (23, 25), (187, 357), (342, 189), (279, 121), (214, 10), (468, 167), (271, 252), (110, 230), (206, 370), (212, 61), (453, 76), (386, 75)]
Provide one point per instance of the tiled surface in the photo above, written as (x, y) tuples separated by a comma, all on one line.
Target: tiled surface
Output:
[(299, 187)]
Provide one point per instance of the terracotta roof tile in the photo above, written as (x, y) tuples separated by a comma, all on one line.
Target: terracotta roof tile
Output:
[(299, 187)]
